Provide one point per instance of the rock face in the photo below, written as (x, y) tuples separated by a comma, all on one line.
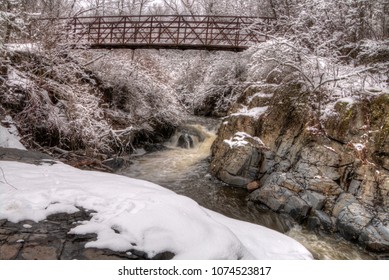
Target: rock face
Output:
[(330, 172)]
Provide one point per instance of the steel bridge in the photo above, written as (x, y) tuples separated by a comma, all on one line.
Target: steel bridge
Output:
[(229, 33)]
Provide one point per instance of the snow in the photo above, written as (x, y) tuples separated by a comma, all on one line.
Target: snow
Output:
[(16, 78), (358, 146), (238, 140), (313, 130), (349, 99), (329, 148), (8, 140), (139, 152), (255, 112), (27, 47), (329, 109), (260, 95), (135, 214)]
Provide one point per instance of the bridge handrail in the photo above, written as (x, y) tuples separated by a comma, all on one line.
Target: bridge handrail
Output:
[(166, 31)]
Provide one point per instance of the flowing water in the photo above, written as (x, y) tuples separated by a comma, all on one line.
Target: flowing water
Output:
[(183, 168)]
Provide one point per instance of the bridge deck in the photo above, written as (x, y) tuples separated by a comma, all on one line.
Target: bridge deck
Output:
[(171, 32)]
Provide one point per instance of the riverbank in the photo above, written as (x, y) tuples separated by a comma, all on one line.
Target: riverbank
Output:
[(327, 169), (115, 204)]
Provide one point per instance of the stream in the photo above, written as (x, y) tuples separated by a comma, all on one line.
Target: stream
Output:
[(183, 168)]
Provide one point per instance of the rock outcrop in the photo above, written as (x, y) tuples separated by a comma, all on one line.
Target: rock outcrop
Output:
[(326, 166)]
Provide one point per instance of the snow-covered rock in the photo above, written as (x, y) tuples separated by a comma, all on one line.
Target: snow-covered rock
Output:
[(8, 140), (134, 214)]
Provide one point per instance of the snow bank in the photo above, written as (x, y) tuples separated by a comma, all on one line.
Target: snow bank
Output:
[(7, 140), (253, 112), (135, 214)]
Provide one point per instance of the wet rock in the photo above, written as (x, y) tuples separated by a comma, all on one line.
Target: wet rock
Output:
[(14, 238), (39, 252), (314, 199), (354, 186), (9, 251), (337, 167), (347, 119), (320, 161), (273, 196), (343, 201), (163, 256), (185, 141), (96, 254), (115, 163), (252, 186), (384, 190), (351, 220), (5, 230), (324, 186), (3, 237), (375, 239), (74, 246), (291, 181), (234, 180), (239, 165), (25, 156), (193, 131), (268, 162), (368, 188), (297, 208), (320, 220), (279, 193)]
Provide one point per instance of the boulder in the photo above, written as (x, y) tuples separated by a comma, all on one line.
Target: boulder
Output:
[(351, 220), (314, 199), (280, 193), (375, 239), (320, 220), (273, 196), (297, 208), (238, 163), (185, 141)]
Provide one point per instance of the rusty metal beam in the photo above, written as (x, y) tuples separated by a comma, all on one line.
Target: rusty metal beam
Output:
[(231, 33)]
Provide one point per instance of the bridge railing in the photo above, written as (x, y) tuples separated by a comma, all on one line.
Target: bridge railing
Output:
[(161, 31)]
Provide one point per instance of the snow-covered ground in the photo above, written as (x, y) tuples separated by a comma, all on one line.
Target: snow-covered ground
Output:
[(8, 140), (129, 211), (27, 47)]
